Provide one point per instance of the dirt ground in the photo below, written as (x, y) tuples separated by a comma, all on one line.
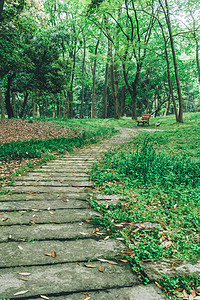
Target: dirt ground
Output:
[(13, 130)]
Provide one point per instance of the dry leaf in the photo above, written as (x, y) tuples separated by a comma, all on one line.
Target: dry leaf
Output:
[(44, 297), (52, 254), (101, 269), (21, 293), (25, 274), (20, 247), (193, 293), (102, 259), (90, 266), (24, 279), (123, 260), (185, 294), (88, 221), (112, 262), (106, 238), (87, 296), (4, 219), (158, 285), (128, 298)]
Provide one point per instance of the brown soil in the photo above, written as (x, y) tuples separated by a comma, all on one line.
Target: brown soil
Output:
[(13, 130)]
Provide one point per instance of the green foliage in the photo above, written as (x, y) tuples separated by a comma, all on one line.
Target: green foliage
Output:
[(157, 176), (187, 283)]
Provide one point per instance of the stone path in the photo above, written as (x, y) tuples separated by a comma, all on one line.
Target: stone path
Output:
[(48, 246)]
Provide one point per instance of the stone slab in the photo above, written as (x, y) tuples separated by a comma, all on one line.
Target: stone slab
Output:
[(43, 204), (58, 174), (156, 269), (64, 278), (54, 177), (42, 232), (141, 292), (54, 183), (49, 189), (43, 196), (42, 217), (22, 254)]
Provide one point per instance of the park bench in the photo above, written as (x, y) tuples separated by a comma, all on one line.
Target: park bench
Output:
[(145, 119)]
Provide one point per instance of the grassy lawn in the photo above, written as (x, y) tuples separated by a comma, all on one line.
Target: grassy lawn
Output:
[(158, 174)]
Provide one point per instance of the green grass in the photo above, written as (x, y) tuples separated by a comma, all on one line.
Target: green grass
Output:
[(158, 174)]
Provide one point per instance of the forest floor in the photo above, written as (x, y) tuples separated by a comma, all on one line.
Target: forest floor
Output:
[(23, 130)]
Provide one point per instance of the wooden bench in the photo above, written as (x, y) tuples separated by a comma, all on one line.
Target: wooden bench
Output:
[(145, 119)]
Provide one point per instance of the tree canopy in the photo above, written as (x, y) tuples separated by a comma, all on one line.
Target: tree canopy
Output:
[(95, 58)]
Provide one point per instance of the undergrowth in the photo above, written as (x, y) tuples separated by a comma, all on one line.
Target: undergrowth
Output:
[(157, 178)]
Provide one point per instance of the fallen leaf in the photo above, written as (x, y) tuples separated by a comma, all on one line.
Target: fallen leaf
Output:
[(128, 252), (106, 238), (44, 297), (90, 266), (178, 290), (88, 221), (21, 293), (87, 296), (102, 259), (52, 254), (25, 274), (4, 219), (158, 285), (123, 260), (24, 279), (101, 269), (128, 298), (20, 247), (193, 293), (185, 294), (112, 262)]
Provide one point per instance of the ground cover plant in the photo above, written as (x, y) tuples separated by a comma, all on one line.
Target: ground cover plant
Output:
[(158, 175)]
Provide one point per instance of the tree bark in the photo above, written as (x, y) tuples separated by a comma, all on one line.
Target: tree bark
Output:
[(2, 105), (1, 8), (197, 58), (21, 115), (123, 96), (7, 98), (167, 18), (105, 93), (93, 81), (83, 79)]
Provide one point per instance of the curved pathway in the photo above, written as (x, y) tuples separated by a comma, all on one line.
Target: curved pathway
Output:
[(49, 248)]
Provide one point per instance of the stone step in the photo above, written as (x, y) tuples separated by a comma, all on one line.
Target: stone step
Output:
[(172, 267), (15, 254), (55, 183), (64, 278), (43, 196), (42, 205), (48, 216), (49, 189), (51, 231), (54, 177), (58, 174), (66, 163), (140, 292)]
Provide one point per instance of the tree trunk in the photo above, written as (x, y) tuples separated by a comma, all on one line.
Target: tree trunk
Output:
[(197, 58), (7, 98), (21, 115), (93, 82), (105, 93), (2, 105), (123, 96), (1, 8), (167, 17), (83, 79)]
